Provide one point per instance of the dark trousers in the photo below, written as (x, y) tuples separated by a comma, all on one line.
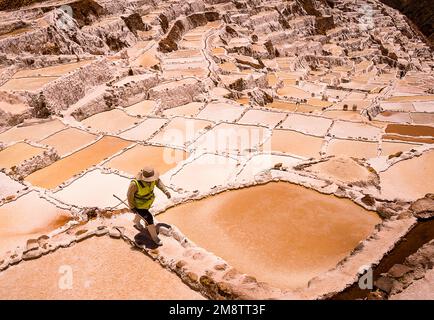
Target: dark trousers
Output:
[(145, 214)]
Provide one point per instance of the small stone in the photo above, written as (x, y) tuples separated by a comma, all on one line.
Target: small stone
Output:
[(404, 215), (66, 243), (33, 254), (398, 270), (220, 267), (231, 274), (385, 212), (114, 233), (192, 276), (278, 165), (4, 264), (48, 247), (80, 232), (10, 198), (15, 258), (180, 264), (84, 236), (154, 253), (42, 240), (101, 232), (376, 295), (249, 279), (207, 281), (224, 289), (423, 208), (198, 256), (32, 244), (385, 284), (368, 200)]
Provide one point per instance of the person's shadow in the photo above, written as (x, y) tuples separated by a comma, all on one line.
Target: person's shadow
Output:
[(143, 238)]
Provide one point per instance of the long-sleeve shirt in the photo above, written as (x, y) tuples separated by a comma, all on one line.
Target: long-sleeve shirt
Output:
[(132, 189)]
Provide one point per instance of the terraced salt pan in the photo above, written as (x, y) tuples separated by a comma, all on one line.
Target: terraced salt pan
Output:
[(35, 79), (8, 186), (422, 118), (186, 71), (389, 148), (402, 181), (261, 162), (352, 148), (51, 71), (104, 276), (307, 124), (427, 106), (160, 158), (293, 92), (33, 132), (110, 121), (342, 169), (94, 189), (305, 108), (260, 117), (397, 106), (204, 173), (64, 169), (410, 130), (147, 59), (355, 130), (144, 130), (183, 54), (396, 137), (343, 115), (142, 108), (13, 108), (411, 98), (296, 143), (399, 117), (28, 217), (228, 67), (26, 84), (359, 103), (230, 138), (282, 105), (188, 110), (18, 153), (180, 131), (216, 111), (69, 140), (310, 232)]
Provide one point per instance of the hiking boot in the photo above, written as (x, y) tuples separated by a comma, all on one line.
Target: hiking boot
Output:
[(153, 232), (139, 227)]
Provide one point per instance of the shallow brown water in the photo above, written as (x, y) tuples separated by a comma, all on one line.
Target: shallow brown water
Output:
[(408, 139), (281, 233), (18, 153), (101, 268), (64, 169), (297, 143), (28, 217), (160, 158), (410, 130)]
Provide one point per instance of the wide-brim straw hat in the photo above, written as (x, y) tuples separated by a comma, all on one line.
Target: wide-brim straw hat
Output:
[(148, 174)]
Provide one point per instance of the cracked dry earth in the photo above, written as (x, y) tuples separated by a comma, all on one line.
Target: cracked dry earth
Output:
[(296, 138)]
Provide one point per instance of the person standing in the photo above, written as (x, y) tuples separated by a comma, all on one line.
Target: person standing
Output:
[(141, 196)]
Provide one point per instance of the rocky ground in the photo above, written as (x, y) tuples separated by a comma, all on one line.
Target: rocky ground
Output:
[(333, 96)]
